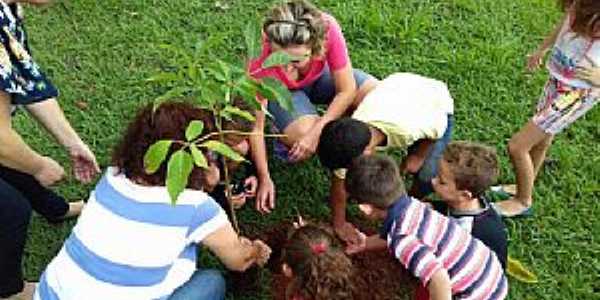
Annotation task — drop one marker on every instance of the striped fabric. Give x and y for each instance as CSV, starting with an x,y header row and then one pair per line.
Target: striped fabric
x,y
131,243
425,241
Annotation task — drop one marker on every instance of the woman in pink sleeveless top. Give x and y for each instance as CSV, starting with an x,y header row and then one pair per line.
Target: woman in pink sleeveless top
x,y
321,73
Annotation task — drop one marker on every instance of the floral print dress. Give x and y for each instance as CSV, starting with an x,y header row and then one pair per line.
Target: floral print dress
x,y
20,76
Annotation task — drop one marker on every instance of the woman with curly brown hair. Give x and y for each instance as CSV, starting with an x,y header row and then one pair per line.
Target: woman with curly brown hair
x,y
318,267
320,73
132,243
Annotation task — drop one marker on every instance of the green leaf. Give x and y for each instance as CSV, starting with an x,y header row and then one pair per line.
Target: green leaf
x,y
217,73
155,155
252,35
163,77
225,69
248,88
178,172
199,159
175,92
223,149
232,110
180,55
193,130
278,58
279,92
516,269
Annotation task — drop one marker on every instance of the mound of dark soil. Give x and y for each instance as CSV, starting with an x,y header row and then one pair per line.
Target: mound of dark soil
x,y
379,275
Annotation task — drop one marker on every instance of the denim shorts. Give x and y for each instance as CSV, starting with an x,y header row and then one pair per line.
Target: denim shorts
x,y
321,91
429,169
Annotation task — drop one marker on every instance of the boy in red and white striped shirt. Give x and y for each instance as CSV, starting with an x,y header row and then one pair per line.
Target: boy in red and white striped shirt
x,y
448,261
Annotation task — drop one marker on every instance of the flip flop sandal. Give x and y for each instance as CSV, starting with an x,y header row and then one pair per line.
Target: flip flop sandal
x,y
525,213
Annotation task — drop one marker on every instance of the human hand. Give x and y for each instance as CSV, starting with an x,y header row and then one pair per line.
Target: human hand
x,y
84,162
305,147
265,198
589,74
238,200
262,252
251,186
534,60
49,173
348,233
357,247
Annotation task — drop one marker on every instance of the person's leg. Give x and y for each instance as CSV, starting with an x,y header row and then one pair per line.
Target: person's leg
x,y
538,153
520,149
203,285
44,201
294,124
323,90
429,165
15,213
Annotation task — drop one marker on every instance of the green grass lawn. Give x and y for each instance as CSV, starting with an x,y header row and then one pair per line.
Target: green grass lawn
x,y
100,52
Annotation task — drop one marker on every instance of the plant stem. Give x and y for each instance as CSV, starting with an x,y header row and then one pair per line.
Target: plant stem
x,y
236,132
228,194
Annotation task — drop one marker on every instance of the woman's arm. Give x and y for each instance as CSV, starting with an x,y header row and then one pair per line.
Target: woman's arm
x,y
345,92
237,253
51,116
265,196
16,154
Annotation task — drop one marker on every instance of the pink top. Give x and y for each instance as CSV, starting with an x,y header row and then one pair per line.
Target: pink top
x,y
336,57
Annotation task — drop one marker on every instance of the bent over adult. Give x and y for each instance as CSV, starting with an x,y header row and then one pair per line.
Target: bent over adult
x,y
131,243
25,174
320,73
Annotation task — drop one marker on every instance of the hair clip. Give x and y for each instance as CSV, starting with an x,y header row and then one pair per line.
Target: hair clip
x,y
319,248
298,24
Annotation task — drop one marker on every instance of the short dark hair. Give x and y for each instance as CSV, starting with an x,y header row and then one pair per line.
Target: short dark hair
x,y
474,166
341,141
374,179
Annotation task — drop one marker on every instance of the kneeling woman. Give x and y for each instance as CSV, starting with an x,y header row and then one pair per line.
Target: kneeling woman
x,y
131,243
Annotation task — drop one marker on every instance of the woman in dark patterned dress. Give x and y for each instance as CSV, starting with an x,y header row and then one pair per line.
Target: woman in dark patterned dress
x,y
25,175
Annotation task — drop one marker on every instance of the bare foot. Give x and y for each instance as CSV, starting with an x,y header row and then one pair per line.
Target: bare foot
x,y
75,209
510,188
512,207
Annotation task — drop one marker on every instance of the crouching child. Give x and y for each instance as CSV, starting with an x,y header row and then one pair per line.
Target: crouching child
x,y
449,262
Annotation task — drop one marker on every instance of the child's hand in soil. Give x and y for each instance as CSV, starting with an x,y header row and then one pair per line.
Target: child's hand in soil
x,y
359,247
263,252
348,233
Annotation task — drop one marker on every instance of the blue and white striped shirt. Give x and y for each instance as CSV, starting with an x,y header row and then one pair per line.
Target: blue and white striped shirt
x,y
131,243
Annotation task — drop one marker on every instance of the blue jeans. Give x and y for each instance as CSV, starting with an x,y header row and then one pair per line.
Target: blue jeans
x,y
203,285
321,91
429,169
